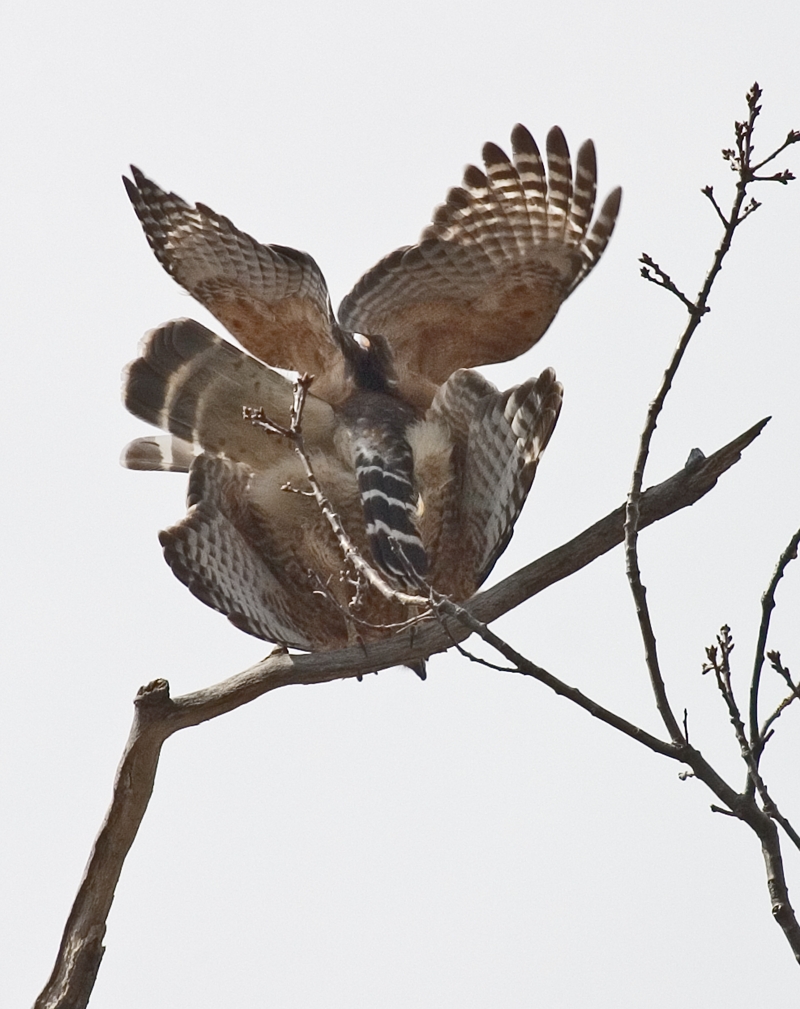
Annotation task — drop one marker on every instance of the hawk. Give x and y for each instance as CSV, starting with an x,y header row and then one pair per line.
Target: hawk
x,y
425,461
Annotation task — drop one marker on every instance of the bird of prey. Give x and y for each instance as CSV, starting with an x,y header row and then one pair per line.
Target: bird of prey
x,y
427,464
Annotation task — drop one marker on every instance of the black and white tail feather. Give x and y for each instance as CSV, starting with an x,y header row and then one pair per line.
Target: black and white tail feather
x,y
385,473
378,422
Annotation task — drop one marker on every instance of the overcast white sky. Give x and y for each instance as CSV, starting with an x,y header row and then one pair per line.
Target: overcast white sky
x,y
471,841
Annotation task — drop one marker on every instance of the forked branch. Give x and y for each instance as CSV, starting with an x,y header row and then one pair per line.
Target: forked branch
x,y
761,818
741,160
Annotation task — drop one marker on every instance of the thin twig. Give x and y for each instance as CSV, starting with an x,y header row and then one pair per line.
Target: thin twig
x,y
719,662
352,555
792,137
348,613
709,192
766,729
741,162
652,271
528,668
467,654
783,671
767,606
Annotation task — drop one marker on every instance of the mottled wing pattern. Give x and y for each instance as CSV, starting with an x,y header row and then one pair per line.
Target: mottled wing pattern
x,y
273,299
434,499
506,441
254,544
498,440
223,554
427,463
489,274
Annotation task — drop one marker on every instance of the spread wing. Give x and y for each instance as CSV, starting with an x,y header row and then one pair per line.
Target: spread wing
x,y
489,274
273,299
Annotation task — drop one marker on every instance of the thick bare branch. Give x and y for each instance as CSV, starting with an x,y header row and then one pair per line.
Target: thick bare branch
x,y
71,983
782,910
682,489
157,716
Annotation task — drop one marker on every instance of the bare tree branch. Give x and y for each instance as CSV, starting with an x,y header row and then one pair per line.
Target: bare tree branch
x,y
744,806
719,660
157,716
766,729
709,192
741,163
652,271
684,488
792,137
757,738
78,961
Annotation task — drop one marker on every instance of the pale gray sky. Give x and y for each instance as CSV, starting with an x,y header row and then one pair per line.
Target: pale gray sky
x,y
471,841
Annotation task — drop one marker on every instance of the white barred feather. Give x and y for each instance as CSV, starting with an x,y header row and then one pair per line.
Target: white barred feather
x,y
490,272
427,464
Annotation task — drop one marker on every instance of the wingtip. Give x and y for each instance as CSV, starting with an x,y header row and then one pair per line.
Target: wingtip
x,y
130,187
609,211
522,141
138,176
557,142
587,157
474,180
493,154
